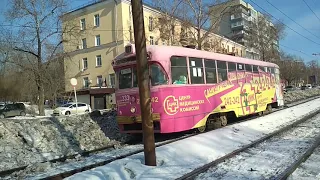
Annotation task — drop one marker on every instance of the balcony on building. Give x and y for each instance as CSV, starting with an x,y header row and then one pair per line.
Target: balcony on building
x,y
239,25
238,16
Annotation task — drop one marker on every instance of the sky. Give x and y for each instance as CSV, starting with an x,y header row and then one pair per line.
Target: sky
x,y
302,33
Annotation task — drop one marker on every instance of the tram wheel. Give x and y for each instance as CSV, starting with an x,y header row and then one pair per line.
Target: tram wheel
x,y
268,109
223,120
202,129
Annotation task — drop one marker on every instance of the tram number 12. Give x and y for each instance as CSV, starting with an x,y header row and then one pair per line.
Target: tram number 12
x,y
153,99
231,100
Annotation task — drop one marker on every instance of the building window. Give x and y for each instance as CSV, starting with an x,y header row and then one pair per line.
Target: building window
x,y
179,71
97,40
85,63
83,43
150,23
112,80
85,82
83,24
228,48
99,81
98,61
151,40
97,20
196,70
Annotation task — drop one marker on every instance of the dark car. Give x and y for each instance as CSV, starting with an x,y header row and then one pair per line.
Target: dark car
x,y
304,87
11,110
289,88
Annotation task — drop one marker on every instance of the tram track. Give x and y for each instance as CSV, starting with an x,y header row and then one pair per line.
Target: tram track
x,y
112,147
285,174
230,162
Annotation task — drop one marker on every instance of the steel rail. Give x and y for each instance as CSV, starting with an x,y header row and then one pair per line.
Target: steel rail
x,y
288,171
197,171
87,153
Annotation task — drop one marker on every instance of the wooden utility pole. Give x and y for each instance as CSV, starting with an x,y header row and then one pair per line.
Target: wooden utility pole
x,y
143,82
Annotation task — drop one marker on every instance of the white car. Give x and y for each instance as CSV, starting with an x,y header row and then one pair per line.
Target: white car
x,y
70,108
2,105
309,86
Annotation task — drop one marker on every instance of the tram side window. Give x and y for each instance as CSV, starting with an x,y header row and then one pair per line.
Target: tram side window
x,y
248,68
196,70
211,73
125,78
255,69
240,67
265,69
135,77
232,67
179,70
222,71
158,77
272,70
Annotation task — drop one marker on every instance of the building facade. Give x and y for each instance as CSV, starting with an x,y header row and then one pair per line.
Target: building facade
x,y
99,31
238,19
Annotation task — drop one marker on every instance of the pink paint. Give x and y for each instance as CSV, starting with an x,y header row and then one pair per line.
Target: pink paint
x,y
181,107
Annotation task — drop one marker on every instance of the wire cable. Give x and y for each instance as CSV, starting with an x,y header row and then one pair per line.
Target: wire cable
x,y
292,19
285,24
311,10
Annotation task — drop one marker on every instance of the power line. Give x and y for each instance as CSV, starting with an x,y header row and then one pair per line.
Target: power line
x,y
285,24
296,50
311,10
291,19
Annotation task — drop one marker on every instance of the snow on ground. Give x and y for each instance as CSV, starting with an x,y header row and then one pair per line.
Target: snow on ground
x,y
183,156
269,158
310,169
27,141
296,95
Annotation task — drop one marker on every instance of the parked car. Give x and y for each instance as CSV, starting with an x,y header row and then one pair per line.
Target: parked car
x,y
289,88
309,86
70,108
2,105
11,110
304,87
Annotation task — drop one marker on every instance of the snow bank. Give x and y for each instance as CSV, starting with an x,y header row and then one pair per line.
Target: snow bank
x,y
297,95
181,157
31,140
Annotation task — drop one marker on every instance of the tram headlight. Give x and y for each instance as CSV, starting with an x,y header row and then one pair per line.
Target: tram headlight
x,y
133,109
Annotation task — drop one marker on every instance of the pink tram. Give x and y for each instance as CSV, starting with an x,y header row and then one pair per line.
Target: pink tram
x,y
193,89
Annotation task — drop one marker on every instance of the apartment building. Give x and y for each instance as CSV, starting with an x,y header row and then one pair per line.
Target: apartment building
x,y
99,31
237,17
